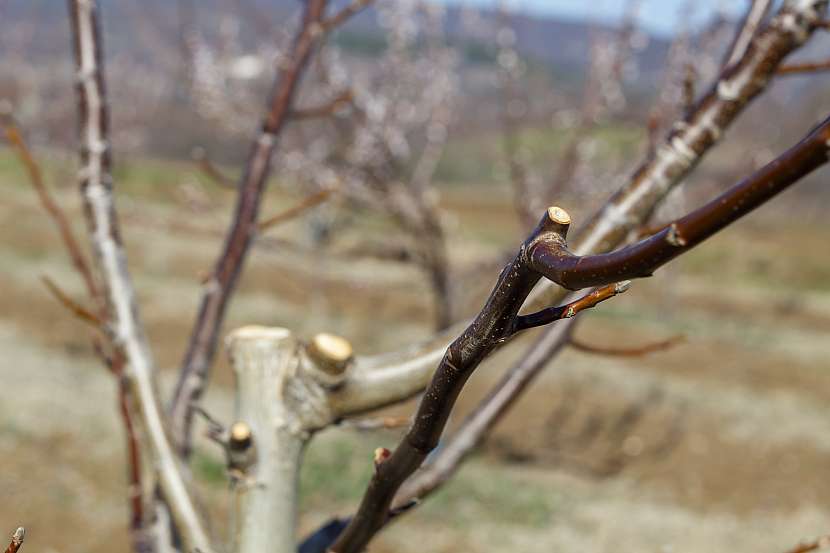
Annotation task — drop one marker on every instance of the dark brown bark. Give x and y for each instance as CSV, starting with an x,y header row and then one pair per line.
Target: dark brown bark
x,y
551,257
222,282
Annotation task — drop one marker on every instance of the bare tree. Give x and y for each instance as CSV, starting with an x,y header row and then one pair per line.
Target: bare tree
x,y
288,390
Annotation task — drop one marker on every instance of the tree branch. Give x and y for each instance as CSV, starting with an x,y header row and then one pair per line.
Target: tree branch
x,y
637,351
220,286
73,248
394,376
745,32
125,327
545,252
17,540
800,68
310,201
199,155
497,321
811,545
551,257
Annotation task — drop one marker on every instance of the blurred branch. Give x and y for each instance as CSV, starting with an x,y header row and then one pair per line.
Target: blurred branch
x,y
637,351
809,67
330,108
207,167
745,32
811,545
125,327
73,248
195,368
17,540
310,201
350,9
73,306
497,321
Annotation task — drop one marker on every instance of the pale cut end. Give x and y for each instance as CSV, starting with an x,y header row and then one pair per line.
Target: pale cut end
x,y
623,286
559,215
240,432
381,454
18,535
332,353
256,332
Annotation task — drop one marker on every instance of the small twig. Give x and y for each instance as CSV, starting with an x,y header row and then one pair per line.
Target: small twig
x,y
546,316
811,545
330,108
17,540
344,14
73,306
207,167
807,67
73,248
376,423
627,352
310,201
754,16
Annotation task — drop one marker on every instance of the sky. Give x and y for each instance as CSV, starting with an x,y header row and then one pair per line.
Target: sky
x,y
657,16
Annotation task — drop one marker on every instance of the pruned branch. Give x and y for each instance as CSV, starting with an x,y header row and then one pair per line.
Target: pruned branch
x,y
552,258
691,138
16,540
124,327
225,274
497,321
545,253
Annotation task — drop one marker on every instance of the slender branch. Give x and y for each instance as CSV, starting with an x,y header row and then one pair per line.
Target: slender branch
x,y
800,68
71,305
310,201
207,167
811,545
17,540
339,102
220,286
552,258
114,362
73,248
349,10
637,351
755,14
570,309
125,327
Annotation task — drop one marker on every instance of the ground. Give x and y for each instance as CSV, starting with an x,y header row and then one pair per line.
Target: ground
x,y
720,443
